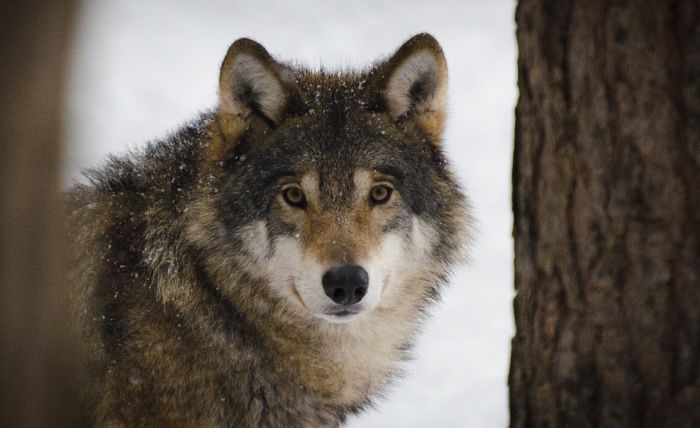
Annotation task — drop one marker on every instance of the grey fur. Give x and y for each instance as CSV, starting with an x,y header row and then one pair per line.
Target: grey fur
x,y
182,329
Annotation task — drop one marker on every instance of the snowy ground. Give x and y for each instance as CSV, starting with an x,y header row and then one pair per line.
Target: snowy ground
x,y
141,68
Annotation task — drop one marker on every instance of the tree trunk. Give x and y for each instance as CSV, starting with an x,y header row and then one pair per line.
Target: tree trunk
x,y
38,384
606,199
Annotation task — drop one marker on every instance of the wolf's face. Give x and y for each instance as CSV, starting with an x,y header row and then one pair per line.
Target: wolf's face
x,y
340,218
335,240
334,186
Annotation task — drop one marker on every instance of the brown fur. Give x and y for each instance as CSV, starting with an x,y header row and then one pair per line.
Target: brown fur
x,y
184,326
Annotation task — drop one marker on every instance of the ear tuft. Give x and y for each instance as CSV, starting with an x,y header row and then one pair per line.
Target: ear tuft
x,y
412,84
249,84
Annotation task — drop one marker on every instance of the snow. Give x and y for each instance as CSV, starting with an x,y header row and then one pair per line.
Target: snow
x,y
142,68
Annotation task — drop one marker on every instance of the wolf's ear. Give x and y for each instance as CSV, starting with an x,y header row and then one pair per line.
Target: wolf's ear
x,y
412,84
250,84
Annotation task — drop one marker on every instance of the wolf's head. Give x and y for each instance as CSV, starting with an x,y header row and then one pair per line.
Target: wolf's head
x,y
332,187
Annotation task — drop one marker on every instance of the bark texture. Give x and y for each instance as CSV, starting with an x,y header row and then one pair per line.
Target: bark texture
x,y
37,374
606,200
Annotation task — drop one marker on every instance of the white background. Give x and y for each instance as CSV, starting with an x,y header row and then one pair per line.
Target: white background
x,y
141,68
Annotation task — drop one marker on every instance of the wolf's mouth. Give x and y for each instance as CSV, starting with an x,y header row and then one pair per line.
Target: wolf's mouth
x,y
343,313
296,293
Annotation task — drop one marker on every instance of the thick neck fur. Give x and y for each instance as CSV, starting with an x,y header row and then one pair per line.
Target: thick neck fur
x,y
169,297
347,363
344,363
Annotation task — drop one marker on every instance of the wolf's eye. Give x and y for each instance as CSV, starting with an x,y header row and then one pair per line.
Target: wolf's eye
x,y
294,196
380,194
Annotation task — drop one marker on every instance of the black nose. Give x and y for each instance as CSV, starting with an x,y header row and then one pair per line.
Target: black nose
x,y
345,285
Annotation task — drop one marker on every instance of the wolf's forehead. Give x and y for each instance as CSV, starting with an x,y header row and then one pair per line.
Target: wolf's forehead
x,y
331,88
336,187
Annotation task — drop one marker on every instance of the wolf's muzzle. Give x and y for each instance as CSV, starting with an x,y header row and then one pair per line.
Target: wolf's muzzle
x,y
345,285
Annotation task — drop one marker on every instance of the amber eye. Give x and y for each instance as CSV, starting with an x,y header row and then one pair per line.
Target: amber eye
x,y
380,194
294,196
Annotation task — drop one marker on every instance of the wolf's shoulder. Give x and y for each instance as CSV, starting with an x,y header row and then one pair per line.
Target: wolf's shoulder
x,y
157,169
139,189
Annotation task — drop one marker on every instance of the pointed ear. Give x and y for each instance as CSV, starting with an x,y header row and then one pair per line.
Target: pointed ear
x,y
412,84
250,84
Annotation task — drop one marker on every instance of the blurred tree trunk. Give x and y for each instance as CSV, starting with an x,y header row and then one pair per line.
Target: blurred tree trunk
x,y
606,199
37,374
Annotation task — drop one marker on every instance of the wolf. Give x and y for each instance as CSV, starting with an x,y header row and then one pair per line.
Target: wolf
x,y
269,263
